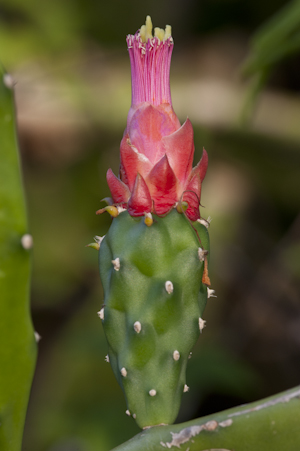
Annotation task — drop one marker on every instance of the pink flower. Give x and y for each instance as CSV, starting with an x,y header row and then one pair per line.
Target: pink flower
x,y
156,151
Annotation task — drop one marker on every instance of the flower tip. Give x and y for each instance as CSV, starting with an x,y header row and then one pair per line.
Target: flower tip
x,y
160,33
146,30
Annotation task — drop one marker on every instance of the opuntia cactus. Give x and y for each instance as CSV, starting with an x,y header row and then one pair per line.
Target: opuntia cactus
x,y
153,261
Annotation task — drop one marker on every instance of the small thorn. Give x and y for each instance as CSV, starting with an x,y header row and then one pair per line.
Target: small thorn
x,y
123,372
116,264
27,241
186,388
98,240
137,327
205,222
37,337
190,355
106,358
111,209
148,219
95,246
134,415
128,412
210,293
152,392
101,313
169,287
202,254
202,324
205,277
181,207
108,200
176,355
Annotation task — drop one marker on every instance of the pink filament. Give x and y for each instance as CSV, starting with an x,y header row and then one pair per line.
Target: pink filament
x,y
150,69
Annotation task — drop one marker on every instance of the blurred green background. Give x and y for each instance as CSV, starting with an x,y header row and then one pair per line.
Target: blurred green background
x,y
72,73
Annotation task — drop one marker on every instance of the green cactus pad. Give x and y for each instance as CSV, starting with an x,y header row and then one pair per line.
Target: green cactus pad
x,y
154,298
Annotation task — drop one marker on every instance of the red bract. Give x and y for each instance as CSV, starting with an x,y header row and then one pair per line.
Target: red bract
x,y
156,152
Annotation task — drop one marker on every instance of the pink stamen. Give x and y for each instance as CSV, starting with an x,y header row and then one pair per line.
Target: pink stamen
x,y
150,69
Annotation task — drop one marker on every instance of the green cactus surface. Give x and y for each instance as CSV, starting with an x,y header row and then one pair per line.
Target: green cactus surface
x,y
153,304
271,424
17,342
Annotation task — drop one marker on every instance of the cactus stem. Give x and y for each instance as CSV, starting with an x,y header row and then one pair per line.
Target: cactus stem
x,y
37,337
202,253
205,222
128,412
152,392
202,324
169,287
123,372
27,241
186,388
101,313
148,219
116,264
210,293
106,358
176,355
137,327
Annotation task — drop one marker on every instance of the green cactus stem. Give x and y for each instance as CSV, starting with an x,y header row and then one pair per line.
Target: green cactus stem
x,y
271,424
153,305
17,339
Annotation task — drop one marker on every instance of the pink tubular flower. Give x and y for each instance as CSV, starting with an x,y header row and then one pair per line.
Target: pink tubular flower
x,y
156,151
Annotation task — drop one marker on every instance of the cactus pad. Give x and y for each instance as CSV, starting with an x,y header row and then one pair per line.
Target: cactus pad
x,y
154,300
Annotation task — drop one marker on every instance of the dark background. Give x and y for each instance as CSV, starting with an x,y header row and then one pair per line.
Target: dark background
x,y
72,73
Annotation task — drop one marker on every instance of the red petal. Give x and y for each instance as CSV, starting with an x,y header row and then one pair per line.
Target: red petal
x,y
132,162
192,195
201,167
119,191
147,127
140,201
162,183
179,147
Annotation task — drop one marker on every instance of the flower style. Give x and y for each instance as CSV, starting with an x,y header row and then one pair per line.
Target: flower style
x,y
156,152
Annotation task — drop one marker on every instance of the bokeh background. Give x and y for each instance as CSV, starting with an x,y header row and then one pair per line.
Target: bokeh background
x,y
72,73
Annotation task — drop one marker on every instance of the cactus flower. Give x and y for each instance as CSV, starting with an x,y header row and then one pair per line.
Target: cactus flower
x,y
156,152
154,269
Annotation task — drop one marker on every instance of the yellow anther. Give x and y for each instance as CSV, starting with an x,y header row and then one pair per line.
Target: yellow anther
x,y
168,32
143,33
149,27
148,219
159,33
182,207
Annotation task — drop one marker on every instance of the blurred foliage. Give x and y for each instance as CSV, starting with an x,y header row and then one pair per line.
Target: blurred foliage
x,y
277,39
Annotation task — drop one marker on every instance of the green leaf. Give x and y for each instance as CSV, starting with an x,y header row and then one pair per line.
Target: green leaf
x,y
17,342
